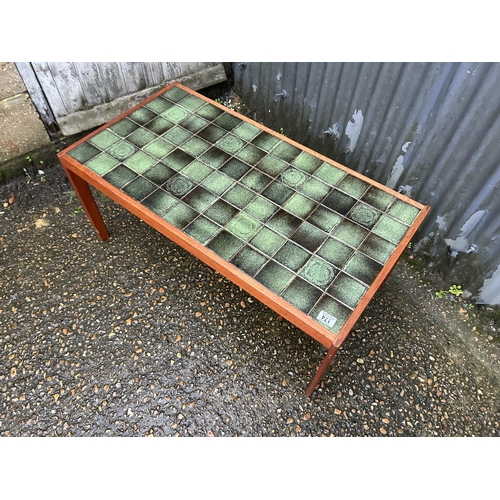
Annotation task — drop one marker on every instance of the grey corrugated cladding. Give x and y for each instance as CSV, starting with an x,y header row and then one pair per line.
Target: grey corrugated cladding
x,y
432,129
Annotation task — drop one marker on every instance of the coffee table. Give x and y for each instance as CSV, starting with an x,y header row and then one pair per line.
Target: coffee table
x,y
305,235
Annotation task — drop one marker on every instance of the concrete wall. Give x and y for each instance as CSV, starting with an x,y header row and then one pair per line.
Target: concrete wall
x,y
21,130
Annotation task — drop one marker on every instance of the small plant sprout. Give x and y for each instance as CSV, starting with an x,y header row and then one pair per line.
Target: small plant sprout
x,y
456,290
28,176
441,293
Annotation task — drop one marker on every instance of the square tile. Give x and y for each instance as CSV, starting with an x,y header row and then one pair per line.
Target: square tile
x,y
199,198
274,277
102,164
178,159
159,202
158,148
139,188
202,230
324,219
179,185
194,123
339,202
378,198
221,212
211,133
353,186
214,157
227,121
121,150
243,226
315,189
195,146
272,166
84,152
230,143
238,196
293,177
225,244
364,215
159,105
142,115
277,192
261,209
196,171
284,222
175,94
209,112
390,229
159,173
175,114
267,241
285,151
301,295
330,314
249,260
403,212
246,131
347,290
265,141
176,135
235,168
309,236
307,162
140,137
335,251
350,233
292,256
329,174
120,176
363,268
217,182
299,205
180,215
192,103
318,272
250,154
139,162
124,127
103,140
159,125
256,180
377,248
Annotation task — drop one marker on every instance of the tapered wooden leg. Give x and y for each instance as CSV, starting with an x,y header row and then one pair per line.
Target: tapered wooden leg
x,y
82,189
322,369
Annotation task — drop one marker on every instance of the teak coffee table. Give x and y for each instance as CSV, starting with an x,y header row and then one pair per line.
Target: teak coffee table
x,y
305,235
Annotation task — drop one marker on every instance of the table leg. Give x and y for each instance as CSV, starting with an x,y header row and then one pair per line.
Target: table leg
x,y
82,189
322,369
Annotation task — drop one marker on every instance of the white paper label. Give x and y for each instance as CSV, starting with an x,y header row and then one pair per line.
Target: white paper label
x,y
326,318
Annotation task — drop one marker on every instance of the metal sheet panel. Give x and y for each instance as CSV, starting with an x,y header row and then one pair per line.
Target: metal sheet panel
x,y
430,129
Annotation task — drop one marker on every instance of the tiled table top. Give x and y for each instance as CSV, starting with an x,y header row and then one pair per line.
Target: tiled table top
x,y
312,232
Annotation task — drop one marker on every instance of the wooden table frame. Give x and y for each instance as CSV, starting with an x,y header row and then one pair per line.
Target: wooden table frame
x,y
81,177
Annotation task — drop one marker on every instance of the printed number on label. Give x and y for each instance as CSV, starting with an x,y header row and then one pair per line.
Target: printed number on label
x,y
326,318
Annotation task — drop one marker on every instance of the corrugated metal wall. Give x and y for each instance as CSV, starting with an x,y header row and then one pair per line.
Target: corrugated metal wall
x,y
432,129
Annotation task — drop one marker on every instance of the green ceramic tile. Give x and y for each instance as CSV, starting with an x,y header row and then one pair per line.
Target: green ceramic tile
x,y
277,192
364,214
250,154
139,162
176,135
159,125
84,152
199,198
139,188
293,177
142,115
159,173
246,131
353,186
309,236
102,164
265,141
284,222
403,212
390,229
256,180
225,244
121,150
329,174
202,230
214,157
179,185
158,148
104,139
159,105
178,159
301,295
180,215
377,248
261,209
272,165
267,241
335,251
347,290
378,198
124,127
299,205
175,94
249,260
141,137
192,103
209,111
195,146
238,196
339,202
274,277
230,143
285,151
324,218
211,133
330,314
194,123
159,201
243,226
315,189
217,182
292,256
120,176
350,233
221,212
227,121
318,272
175,114
235,168
196,171
307,162
363,268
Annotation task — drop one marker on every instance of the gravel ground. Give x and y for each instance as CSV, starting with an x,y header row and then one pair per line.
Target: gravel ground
x,y
135,337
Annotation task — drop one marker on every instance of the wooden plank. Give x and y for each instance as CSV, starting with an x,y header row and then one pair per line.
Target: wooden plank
x,y
91,83
68,84
50,88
